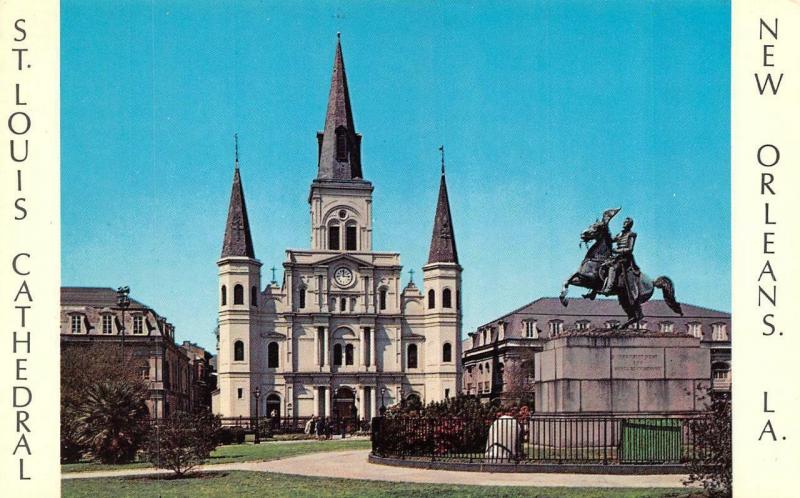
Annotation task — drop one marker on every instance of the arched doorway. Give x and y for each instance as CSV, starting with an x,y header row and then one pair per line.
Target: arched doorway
x,y
273,406
344,405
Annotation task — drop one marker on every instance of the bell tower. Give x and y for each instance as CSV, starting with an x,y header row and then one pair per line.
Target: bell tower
x,y
442,303
239,296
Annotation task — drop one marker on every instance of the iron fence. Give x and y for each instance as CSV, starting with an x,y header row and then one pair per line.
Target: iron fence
x,y
297,425
638,439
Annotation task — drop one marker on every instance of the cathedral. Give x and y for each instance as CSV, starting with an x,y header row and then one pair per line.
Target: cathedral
x,y
339,336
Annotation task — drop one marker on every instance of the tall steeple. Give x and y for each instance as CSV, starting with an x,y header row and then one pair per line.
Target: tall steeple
x,y
339,144
238,241
443,241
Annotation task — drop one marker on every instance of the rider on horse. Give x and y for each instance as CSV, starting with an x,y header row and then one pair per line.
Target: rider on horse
x,y
621,257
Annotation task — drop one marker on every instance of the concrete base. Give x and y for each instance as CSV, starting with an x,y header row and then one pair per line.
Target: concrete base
x,y
606,372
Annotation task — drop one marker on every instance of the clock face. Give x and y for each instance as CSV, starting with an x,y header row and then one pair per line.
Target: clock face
x,y
343,276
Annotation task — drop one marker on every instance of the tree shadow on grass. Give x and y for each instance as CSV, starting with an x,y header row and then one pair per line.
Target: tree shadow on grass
x,y
214,474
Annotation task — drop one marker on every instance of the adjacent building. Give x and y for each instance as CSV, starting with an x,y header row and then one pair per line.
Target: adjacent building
x,y
498,359
340,335
91,315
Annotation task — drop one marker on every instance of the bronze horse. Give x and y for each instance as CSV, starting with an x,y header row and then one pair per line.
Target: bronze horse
x,y
632,288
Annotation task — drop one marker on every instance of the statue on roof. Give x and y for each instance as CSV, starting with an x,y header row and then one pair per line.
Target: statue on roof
x,y
610,269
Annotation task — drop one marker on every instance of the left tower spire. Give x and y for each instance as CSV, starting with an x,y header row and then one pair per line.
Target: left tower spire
x,y
237,242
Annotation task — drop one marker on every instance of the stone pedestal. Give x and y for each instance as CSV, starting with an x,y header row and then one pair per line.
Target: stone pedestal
x,y
604,371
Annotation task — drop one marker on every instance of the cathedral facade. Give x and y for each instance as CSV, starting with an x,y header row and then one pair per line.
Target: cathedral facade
x,y
340,336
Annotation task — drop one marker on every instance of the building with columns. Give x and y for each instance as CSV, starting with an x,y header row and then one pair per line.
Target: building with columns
x,y
340,335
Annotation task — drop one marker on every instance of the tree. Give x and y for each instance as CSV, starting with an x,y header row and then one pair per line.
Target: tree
x,y
518,378
712,466
112,420
183,441
102,403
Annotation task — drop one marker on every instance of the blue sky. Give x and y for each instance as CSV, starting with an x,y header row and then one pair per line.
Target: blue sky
x,y
550,113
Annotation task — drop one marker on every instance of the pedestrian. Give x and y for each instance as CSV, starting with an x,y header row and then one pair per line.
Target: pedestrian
x,y
320,428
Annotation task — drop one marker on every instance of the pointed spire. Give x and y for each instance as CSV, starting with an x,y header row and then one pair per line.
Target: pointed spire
x,y
339,144
443,240
238,241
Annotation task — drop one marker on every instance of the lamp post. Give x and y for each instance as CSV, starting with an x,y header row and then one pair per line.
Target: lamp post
x,y
383,405
257,394
123,301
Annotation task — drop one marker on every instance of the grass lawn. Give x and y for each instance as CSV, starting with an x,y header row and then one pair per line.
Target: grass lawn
x,y
246,484
243,453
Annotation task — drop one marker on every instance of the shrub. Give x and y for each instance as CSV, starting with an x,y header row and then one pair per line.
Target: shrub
x,y
224,436
183,441
712,466
265,429
237,434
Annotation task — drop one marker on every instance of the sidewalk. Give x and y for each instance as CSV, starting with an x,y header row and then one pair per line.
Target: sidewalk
x,y
353,465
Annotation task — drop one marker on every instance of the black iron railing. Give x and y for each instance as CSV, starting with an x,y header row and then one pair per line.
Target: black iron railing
x,y
639,439
297,425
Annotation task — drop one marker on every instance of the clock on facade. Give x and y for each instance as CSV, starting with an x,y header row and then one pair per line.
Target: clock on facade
x,y
343,276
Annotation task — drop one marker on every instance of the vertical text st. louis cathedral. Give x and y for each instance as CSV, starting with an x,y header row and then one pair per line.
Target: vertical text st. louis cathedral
x,y
339,333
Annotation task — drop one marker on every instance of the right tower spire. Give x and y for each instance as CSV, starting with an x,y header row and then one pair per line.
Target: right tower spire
x,y
443,241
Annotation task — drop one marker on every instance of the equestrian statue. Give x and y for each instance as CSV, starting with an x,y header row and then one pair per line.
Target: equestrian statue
x,y
611,270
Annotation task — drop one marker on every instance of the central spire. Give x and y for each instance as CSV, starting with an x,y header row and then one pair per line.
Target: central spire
x,y
339,144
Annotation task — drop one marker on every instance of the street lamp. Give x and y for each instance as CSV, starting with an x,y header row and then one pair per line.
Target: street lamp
x,y
257,394
123,301
383,405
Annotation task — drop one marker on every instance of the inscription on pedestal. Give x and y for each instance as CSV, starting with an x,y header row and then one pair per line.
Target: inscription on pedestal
x,y
637,363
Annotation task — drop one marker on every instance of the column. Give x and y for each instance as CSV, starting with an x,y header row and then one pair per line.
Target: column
x,y
373,411
362,391
316,347
328,348
362,347
316,401
328,401
372,351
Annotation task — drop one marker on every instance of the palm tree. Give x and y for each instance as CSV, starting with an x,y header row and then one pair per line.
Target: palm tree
x,y
112,419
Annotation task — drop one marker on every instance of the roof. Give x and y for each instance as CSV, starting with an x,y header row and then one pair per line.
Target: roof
x,y
237,241
655,309
96,297
443,239
335,162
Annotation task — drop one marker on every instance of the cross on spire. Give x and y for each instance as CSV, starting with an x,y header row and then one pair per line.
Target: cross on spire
x,y
273,275
411,278
236,149
441,149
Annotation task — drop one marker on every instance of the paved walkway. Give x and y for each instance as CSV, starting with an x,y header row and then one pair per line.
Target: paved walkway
x,y
352,464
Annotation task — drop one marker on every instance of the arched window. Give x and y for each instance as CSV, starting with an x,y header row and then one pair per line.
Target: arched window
x,y
351,237
238,294
343,303
333,237
337,355
431,299
238,351
224,295
272,355
382,299
302,297
412,356
446,299
253,296
348,354
447,353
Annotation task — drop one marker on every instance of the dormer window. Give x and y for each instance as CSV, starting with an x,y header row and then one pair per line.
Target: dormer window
x,y
75,324
341,144
107,319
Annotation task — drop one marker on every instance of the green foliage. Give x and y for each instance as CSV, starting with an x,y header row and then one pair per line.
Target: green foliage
x,y
183,441
713,465
83,369
457,425
112,420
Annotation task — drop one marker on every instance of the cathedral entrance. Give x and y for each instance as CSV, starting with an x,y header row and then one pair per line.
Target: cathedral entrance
x,y
344,403
273,406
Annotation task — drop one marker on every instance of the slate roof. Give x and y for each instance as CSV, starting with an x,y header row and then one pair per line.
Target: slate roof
x,y
598,311
238,241
443,239
94,297
339,116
